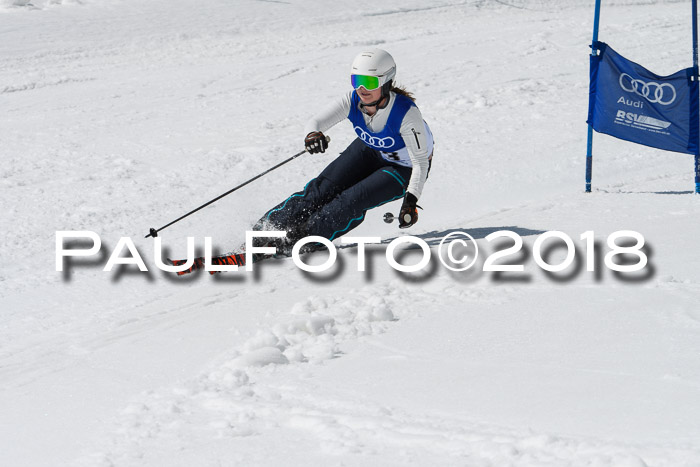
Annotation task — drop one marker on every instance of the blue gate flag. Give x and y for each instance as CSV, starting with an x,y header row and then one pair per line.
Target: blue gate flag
x,y
630,102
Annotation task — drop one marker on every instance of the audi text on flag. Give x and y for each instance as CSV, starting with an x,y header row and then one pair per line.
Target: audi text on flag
x,y
629,102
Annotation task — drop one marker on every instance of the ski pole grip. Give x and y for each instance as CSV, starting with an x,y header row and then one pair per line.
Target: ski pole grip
x,y
327,138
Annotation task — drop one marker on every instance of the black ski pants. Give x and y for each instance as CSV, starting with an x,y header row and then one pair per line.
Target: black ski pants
x,y
336,201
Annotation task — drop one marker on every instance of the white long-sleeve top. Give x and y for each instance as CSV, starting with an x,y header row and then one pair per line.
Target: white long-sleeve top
x,y
414,131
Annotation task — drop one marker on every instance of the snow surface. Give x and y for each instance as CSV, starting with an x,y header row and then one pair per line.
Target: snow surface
x,y
121,115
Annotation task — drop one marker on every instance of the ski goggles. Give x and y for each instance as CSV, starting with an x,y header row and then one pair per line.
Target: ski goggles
x,y
370,83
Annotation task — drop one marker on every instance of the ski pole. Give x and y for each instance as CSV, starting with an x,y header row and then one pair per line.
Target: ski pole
x,y
154,232
389,217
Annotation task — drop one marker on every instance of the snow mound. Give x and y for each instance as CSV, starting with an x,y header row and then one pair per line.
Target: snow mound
x,y
323,325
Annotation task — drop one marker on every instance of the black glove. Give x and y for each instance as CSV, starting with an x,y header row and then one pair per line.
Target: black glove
x,y
409,212
315,142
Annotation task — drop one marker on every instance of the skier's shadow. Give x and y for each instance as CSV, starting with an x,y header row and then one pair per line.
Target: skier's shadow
x,y
435,237
375,253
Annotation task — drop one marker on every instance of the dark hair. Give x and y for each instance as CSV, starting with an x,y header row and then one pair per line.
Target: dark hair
x,y
401,90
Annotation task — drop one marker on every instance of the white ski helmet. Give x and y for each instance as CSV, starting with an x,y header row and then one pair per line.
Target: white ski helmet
x,y
375,63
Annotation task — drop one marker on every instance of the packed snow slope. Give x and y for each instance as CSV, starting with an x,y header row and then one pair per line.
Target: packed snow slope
x,y
121,115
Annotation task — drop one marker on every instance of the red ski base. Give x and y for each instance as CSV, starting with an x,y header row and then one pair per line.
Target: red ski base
x,y
234,259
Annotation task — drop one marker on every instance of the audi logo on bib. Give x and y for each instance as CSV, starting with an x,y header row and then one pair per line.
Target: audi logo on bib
x,y
374,141
651,91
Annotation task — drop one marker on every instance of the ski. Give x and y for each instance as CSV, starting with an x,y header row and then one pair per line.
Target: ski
x,y
230,259
233,259
239,259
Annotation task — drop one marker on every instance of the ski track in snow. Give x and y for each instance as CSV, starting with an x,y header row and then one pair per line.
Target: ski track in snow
x,y
314,331
252,389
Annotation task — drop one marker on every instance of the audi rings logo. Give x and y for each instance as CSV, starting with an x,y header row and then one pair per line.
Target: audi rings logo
x,y
374,141
656,93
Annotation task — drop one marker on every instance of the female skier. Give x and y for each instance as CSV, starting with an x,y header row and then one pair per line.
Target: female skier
x,y
390,158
